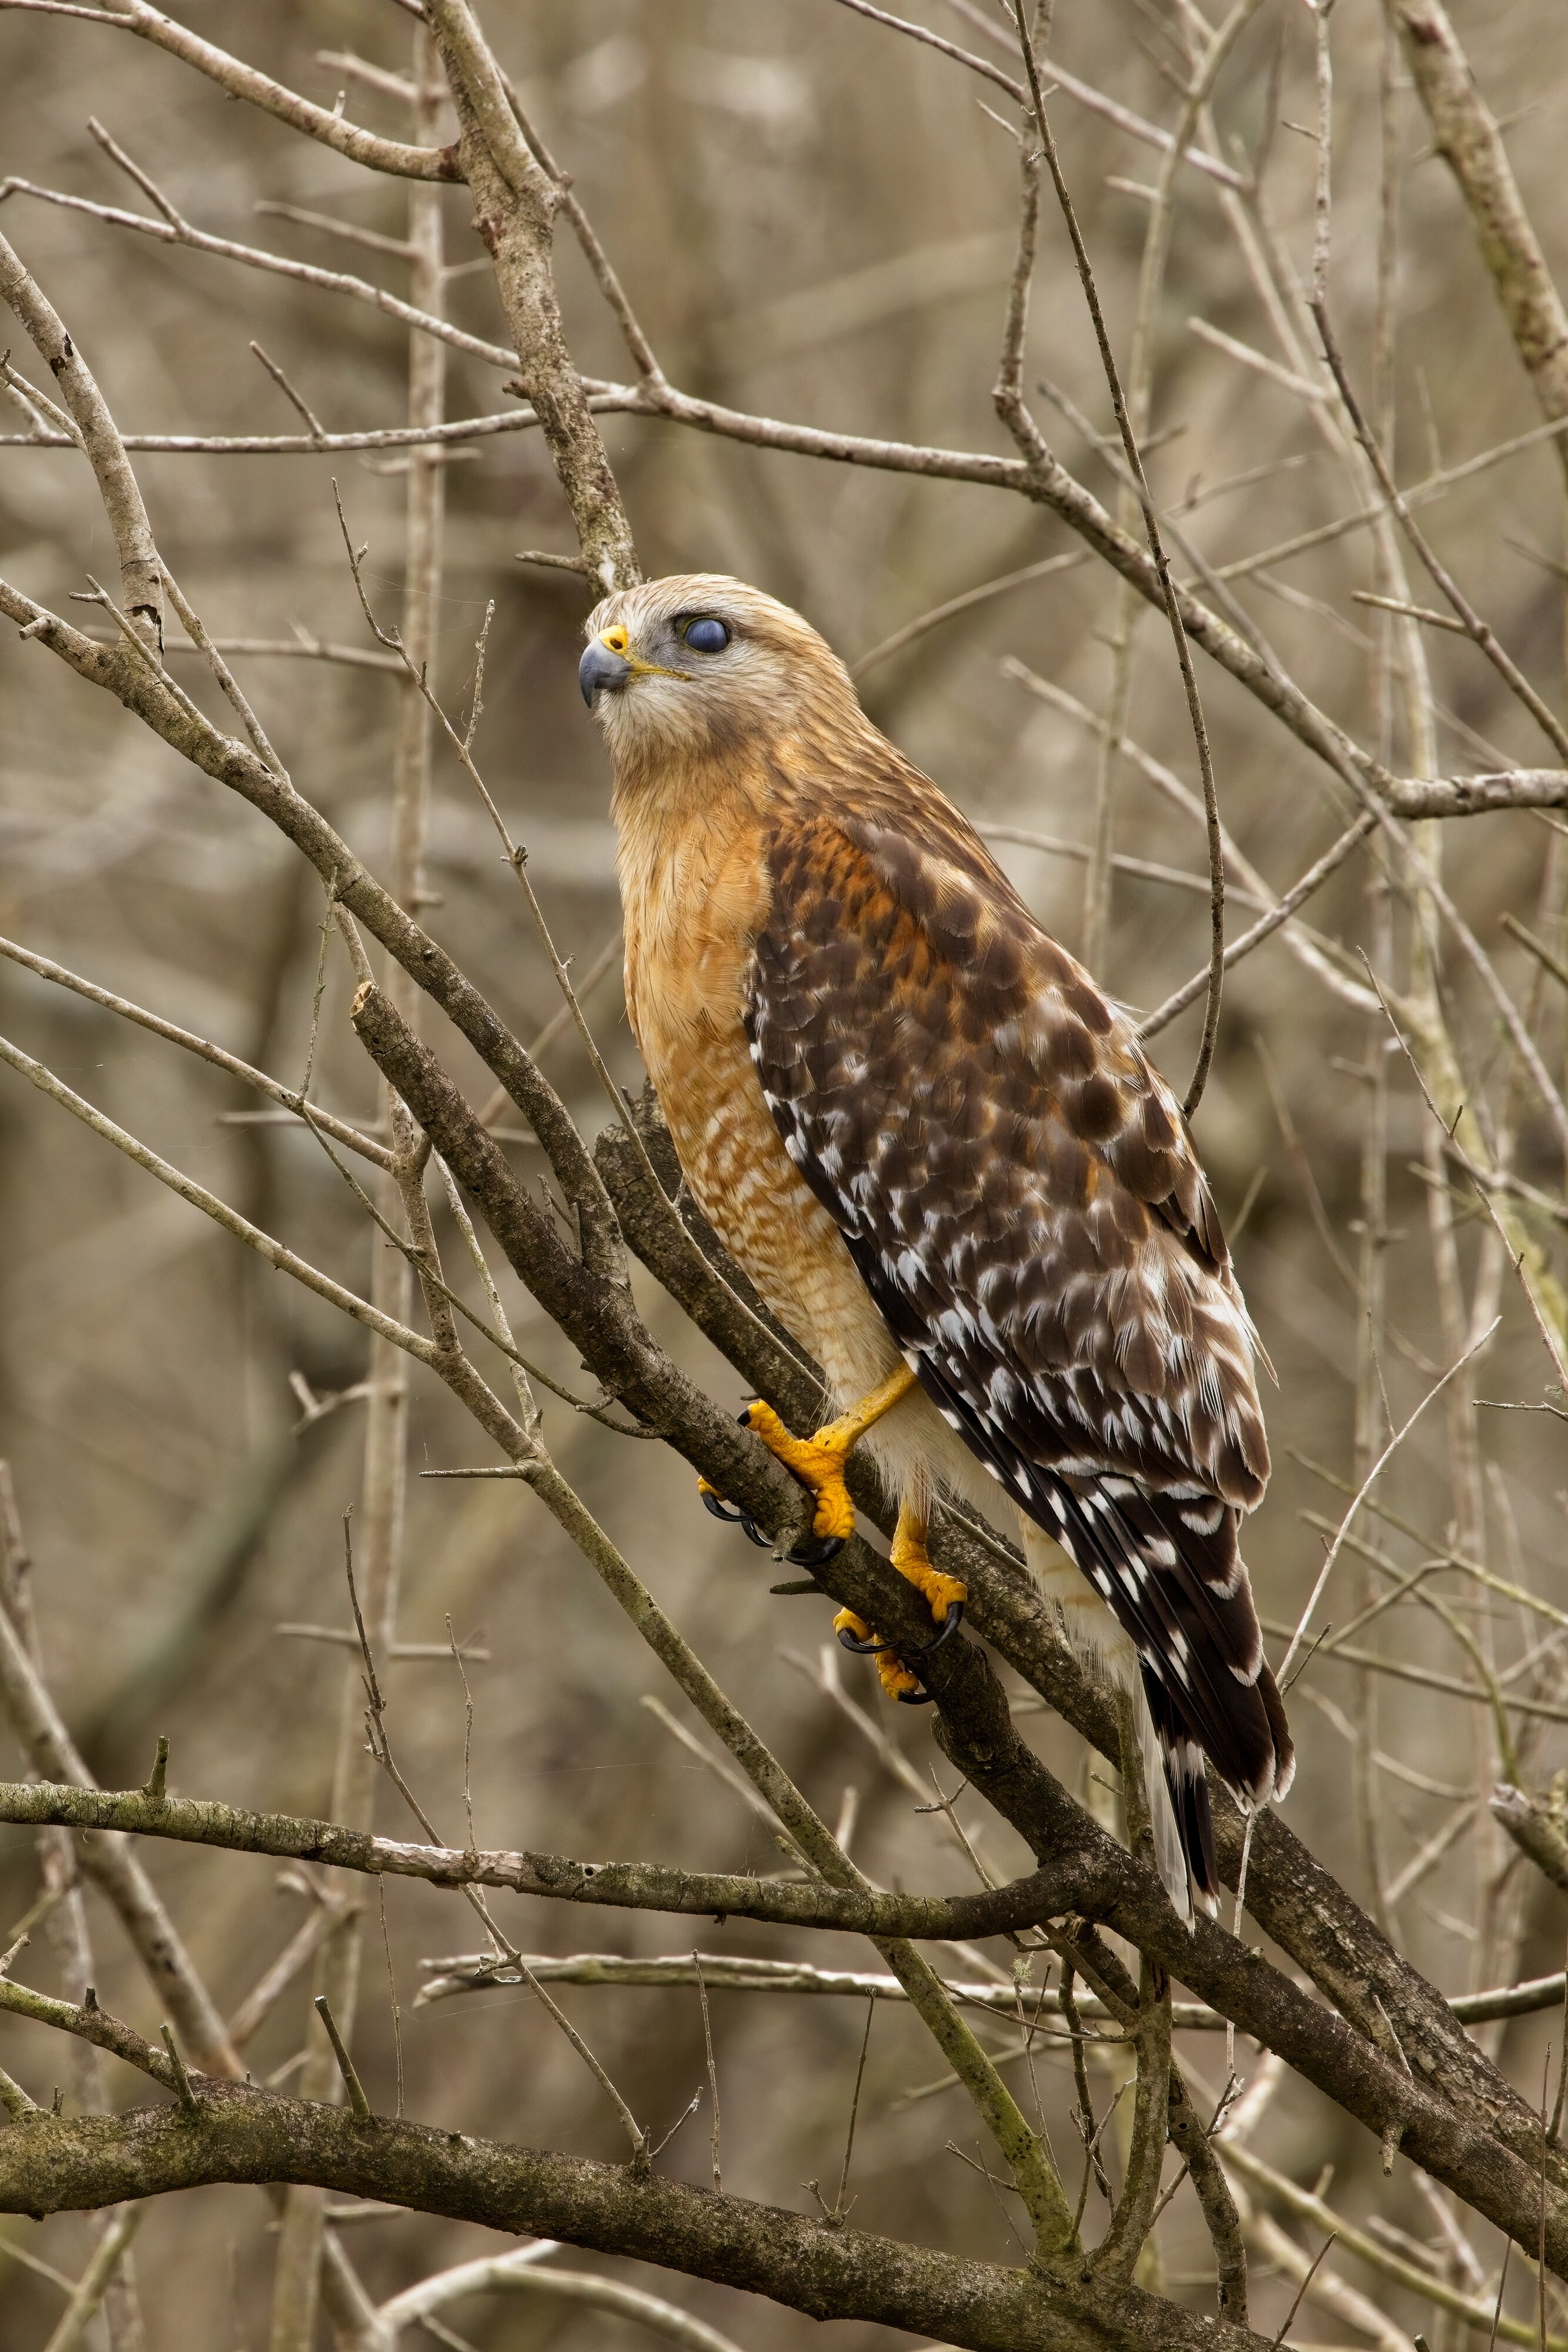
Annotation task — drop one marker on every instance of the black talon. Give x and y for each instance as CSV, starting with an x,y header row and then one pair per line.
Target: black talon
x,y
815,1553
720,1510
872,1649
875,1648
950,1625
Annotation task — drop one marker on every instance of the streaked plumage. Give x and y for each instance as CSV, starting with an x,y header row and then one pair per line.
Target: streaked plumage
x,y
925,1132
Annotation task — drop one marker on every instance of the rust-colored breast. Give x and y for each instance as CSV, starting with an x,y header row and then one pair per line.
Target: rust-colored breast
x,y
694,899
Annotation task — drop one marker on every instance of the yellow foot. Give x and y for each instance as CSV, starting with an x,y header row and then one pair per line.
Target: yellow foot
x,y
896,1680
895,1677
945,1593
819,1465
913,1560
817,1462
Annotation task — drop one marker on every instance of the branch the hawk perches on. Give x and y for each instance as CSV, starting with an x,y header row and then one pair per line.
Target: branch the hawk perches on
x,y
943,1158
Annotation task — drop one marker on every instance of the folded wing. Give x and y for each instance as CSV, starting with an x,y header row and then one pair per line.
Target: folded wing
x,y
1018,1189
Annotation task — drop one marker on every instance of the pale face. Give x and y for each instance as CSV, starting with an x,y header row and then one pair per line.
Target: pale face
x,y
695,662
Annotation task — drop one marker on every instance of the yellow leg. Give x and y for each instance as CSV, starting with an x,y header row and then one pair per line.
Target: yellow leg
x,y
945,1594
819,1462
913,1560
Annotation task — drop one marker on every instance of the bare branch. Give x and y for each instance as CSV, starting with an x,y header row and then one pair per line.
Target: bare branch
x,y
305,445
620,1885
1308,2208
56,2162
913,630
724,1972
514,204
177,230
1297,896
522,2272
140,572
241,80
1471,142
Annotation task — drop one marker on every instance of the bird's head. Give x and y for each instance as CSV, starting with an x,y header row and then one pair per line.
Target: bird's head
x,y
698,664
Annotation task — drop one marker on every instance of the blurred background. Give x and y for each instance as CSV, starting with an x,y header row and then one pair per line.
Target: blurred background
x,y
815,219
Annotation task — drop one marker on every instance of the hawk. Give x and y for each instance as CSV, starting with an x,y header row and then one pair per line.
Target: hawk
x,y
940,1153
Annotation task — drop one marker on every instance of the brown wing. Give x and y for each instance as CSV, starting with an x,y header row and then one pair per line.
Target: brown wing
x,y
1018,1192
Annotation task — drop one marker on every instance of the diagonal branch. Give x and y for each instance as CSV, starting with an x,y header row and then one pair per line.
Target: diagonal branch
x,y
1291,1893
1471,142
177,230
46,969
241,769
140,572
241,80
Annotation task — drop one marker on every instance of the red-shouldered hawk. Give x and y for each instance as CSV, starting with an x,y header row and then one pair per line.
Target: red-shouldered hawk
x,y
942,1157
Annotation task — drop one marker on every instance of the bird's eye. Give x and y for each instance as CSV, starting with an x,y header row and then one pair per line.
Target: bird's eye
x,y
705,637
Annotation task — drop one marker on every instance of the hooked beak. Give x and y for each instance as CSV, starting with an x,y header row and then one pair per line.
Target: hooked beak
x,y
601,666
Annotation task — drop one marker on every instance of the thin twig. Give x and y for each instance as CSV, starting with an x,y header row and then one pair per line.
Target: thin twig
x,y
46,969
714,2126
840,2213
1297,896
1371,1476
1162,567
1481,632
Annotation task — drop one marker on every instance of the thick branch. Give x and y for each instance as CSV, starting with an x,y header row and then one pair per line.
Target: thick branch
x,y
1535,1825
54,2164
1089,1873
598,1315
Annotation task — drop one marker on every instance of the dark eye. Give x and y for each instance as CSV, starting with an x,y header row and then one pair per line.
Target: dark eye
x,y
706,636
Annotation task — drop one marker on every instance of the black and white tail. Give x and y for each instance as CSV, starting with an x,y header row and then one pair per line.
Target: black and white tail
x,y
1153,1587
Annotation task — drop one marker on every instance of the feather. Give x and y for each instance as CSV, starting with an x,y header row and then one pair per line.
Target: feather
x,y
1019,1193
